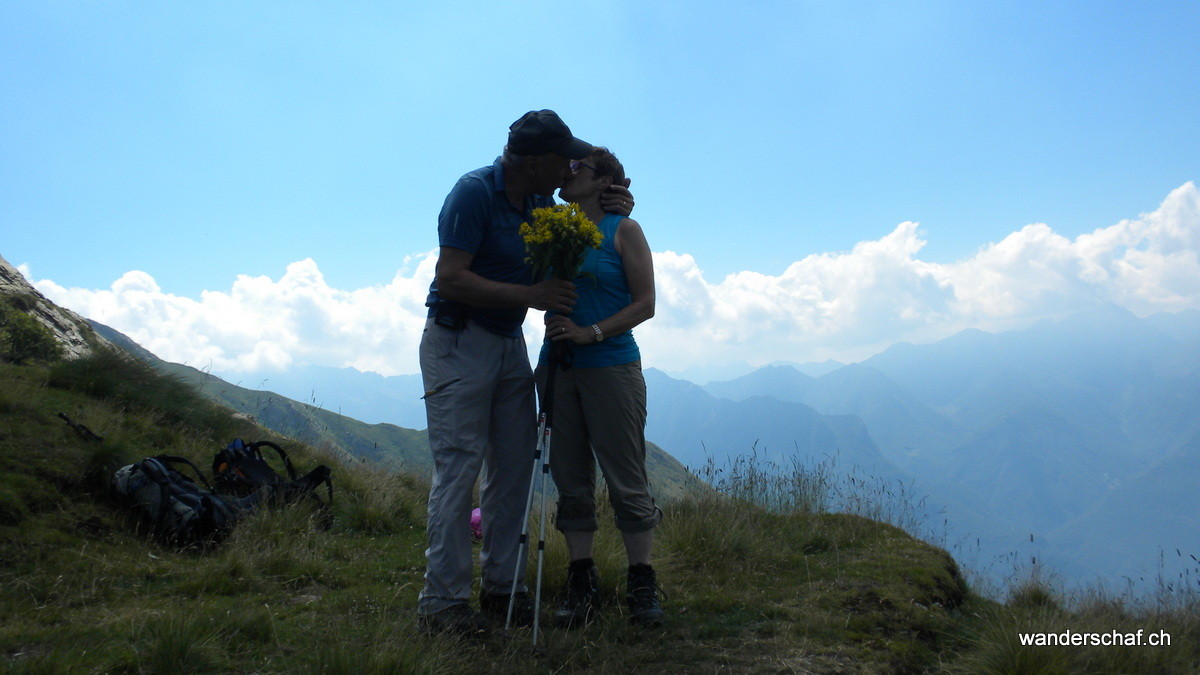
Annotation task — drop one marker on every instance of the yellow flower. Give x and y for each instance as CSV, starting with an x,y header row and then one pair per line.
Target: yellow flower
x,y
558,240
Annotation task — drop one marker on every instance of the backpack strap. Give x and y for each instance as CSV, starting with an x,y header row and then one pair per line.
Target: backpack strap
x,y
307,484
287,463
157,471
168,460
321,474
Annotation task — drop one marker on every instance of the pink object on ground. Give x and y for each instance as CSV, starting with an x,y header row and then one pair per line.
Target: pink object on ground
x,y
476,525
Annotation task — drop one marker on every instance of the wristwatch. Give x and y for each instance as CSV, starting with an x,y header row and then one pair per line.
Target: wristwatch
x,y
599,333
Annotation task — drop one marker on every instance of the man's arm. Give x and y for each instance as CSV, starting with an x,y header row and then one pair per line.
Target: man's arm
x,y
457,283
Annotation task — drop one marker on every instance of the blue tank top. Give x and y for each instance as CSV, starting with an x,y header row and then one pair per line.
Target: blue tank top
x,y
603,291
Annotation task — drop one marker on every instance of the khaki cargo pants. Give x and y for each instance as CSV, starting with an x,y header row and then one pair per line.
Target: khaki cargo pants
x,y
482,416
600,418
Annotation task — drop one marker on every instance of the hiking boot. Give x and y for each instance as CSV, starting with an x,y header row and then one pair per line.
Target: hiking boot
x,y
642,597
495,606
581,601
457,619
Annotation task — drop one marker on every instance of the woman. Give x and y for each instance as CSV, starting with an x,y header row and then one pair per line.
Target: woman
x,y
600,401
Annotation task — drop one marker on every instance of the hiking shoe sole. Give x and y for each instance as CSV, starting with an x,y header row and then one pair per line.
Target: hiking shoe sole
x,y
456,620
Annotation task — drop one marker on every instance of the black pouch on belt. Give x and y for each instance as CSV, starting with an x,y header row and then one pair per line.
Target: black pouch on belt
x,y
450,315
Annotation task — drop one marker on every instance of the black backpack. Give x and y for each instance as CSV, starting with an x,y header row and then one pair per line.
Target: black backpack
x,y
177,510
242,470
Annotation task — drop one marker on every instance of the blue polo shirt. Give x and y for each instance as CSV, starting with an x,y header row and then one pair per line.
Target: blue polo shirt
x,y
477,218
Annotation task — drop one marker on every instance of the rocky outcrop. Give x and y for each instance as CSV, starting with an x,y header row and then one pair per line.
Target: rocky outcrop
x,y
71,330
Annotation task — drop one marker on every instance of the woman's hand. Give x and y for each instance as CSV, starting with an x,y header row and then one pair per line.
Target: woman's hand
x,y
559,328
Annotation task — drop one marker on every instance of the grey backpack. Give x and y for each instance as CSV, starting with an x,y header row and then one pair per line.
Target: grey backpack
x,y
174,507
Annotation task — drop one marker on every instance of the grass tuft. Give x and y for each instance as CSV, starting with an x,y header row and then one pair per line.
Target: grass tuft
x,y
1033,595
178,644
378,502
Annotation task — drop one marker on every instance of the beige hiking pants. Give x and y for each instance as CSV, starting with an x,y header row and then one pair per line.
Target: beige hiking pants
x,y
600,417
482,416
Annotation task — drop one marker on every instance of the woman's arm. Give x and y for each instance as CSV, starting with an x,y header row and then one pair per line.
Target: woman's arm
x,y
631,245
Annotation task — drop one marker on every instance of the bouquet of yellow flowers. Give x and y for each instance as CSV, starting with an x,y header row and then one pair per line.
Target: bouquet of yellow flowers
x,y
558,239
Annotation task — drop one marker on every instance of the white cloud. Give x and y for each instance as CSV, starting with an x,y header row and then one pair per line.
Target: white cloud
x,y
264,325
845,305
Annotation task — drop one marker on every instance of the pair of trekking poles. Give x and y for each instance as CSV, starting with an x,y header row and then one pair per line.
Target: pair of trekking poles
x,y
560,356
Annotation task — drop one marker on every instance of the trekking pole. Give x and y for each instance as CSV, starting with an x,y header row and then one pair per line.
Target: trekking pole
x,y
559,354
537,595
524,540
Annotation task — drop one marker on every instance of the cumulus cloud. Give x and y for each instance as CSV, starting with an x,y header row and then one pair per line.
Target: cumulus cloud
x,y
851,305
263,325
846,305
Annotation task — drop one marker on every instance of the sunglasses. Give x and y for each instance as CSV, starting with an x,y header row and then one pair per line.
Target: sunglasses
x,y
576,165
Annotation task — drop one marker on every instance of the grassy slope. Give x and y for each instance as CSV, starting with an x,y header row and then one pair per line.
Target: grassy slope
x,y
385,445
747,589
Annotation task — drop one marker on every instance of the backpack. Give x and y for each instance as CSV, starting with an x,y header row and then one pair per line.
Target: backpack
x,y
178,510
242,470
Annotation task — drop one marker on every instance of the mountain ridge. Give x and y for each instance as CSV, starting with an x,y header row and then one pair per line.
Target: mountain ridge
x,y
1034,428
391,446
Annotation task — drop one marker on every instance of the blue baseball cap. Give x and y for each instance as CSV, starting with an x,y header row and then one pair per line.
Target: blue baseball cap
x,y
541,131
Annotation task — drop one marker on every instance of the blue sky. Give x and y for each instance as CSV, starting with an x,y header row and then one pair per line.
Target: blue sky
x,y
196,142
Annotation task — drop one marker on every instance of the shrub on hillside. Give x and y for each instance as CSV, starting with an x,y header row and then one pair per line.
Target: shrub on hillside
x,y
23,338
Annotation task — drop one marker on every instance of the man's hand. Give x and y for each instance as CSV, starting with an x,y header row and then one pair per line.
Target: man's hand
x,y
618,199
553,294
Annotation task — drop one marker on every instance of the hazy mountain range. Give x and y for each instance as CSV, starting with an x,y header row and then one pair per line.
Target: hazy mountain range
x,y
1075,442
1082,433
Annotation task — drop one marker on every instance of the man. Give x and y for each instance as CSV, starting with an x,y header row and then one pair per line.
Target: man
x,y
479,392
